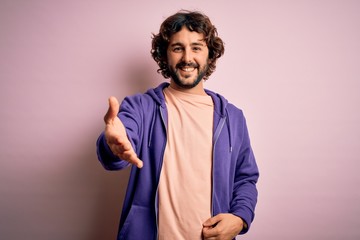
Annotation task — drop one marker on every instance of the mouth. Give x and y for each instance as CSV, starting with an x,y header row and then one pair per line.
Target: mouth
x,y
187,69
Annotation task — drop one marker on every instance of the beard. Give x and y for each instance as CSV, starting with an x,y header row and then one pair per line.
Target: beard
x,y
175,76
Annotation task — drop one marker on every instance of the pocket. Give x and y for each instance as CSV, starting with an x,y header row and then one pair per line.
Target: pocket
x,y
139,224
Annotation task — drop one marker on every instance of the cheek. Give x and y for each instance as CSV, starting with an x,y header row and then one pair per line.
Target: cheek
x,y
204,59
172,61
169,58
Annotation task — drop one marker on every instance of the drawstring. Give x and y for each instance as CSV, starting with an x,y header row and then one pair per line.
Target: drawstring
x,y
228,127
152,126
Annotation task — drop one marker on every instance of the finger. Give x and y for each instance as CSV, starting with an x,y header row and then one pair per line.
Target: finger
x,y
119,148
212,221
209,233
128,155
132,158
113,109
138,163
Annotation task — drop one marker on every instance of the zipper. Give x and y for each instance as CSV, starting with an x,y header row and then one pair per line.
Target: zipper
x,y
216,137
157,187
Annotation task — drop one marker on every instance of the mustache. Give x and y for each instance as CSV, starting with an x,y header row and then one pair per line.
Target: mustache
x,y
184,64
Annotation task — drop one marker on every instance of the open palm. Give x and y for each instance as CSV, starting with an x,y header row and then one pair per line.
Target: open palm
x,y
116,137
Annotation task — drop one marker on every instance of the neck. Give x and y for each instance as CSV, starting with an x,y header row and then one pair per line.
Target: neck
x,y
198,89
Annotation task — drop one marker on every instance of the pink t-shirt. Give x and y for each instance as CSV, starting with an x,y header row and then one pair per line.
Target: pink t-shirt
x,y
185,180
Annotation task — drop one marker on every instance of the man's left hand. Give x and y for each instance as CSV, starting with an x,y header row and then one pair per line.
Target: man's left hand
x,y
224,226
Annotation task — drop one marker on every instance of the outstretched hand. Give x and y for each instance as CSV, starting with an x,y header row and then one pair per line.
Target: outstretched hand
x,y
116,137
224,226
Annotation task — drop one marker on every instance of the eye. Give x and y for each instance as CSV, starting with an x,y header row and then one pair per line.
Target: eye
x,y
177,49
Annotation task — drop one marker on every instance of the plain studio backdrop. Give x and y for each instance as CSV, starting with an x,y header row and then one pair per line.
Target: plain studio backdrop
x,y
292,66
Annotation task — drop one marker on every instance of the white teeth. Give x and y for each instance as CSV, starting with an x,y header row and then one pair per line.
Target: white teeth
x,y
188,69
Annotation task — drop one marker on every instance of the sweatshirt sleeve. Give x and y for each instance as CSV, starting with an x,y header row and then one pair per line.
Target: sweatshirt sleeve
x,y
106,157
246,176
129,115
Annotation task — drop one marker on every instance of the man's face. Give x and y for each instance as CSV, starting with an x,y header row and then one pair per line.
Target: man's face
x,y
187,56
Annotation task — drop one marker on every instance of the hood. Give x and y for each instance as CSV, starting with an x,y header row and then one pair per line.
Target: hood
x,y
157,93
220,107
220,102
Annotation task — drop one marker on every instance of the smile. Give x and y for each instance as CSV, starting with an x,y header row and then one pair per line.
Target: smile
x,y
187,69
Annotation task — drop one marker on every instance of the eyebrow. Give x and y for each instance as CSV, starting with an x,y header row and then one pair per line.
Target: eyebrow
x,y
200,43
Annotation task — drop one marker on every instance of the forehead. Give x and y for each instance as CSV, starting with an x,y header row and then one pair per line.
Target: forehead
x,y
185,36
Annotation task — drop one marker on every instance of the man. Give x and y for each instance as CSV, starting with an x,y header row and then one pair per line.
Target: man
x,y
194,173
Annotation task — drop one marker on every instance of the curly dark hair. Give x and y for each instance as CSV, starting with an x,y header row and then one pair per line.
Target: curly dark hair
x,y
194,21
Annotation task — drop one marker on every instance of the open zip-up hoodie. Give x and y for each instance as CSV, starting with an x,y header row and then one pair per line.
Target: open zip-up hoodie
x,y
234,175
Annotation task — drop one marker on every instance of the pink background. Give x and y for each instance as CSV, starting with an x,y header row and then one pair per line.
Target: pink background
x,y
292,66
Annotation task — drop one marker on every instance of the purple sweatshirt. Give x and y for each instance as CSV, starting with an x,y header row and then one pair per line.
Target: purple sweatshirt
x,y
234,176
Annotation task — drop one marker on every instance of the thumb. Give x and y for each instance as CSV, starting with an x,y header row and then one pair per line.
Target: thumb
x,y
211,222
113,110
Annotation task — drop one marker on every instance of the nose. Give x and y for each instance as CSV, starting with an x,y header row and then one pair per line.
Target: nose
x,y
187,57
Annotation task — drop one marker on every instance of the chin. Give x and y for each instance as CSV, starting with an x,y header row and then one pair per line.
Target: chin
x,y
187,83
